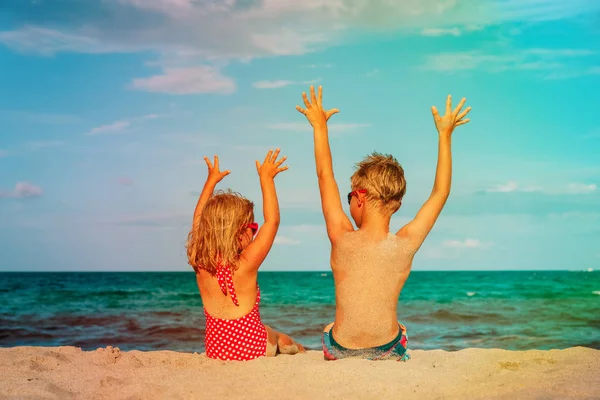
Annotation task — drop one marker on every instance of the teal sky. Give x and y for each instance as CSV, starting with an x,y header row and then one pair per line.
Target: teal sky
x,y
107,108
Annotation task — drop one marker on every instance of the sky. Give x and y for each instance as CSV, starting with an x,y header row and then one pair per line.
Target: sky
x,y
107,108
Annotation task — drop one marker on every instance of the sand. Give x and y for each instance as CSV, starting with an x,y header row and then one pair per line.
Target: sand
x,y
108,373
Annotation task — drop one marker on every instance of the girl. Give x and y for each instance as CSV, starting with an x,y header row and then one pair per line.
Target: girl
x,y
226,259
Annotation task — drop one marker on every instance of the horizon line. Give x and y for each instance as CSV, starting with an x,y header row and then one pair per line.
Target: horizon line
x,y
321,271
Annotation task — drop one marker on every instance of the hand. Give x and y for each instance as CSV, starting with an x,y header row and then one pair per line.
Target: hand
x,y
446,124
214,175
270,167
314,109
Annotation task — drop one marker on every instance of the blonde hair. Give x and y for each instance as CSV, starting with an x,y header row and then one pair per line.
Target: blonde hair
x,y
215,240
383,178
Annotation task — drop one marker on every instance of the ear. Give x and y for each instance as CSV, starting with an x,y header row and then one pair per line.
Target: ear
x,y
361,197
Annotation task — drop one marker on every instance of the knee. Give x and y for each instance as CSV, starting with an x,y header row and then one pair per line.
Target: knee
x,y
271,335
271,349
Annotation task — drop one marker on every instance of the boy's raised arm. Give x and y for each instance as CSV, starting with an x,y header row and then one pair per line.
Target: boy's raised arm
x,y
336,219
214,177
418,229
258,250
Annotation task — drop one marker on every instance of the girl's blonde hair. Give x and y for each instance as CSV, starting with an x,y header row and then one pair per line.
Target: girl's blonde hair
x,y
215,240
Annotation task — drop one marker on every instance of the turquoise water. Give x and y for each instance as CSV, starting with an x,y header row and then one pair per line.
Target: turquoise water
x,y
442,310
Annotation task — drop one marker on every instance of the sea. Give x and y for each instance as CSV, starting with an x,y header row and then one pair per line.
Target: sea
x,y
510,310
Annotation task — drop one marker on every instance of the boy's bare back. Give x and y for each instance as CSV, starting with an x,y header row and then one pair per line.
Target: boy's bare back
x,y
369,275
370,265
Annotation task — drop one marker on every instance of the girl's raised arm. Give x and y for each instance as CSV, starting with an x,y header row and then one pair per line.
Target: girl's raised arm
x,y
257,251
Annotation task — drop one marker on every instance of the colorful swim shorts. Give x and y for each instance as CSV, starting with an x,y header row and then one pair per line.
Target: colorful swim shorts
x,y
394,350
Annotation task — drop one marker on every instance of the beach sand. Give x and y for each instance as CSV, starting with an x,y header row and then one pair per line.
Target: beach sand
x,y
108,373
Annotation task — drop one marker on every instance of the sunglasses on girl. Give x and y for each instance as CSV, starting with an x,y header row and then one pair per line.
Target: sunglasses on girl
x,y
253,226
355,193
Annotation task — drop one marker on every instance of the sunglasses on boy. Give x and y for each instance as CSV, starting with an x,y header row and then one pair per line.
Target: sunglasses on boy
x,y
355,193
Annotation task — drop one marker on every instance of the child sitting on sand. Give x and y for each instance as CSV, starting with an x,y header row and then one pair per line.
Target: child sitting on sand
x,y
226,259
370,265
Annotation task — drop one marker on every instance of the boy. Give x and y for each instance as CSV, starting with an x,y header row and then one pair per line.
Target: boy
x,y
370,265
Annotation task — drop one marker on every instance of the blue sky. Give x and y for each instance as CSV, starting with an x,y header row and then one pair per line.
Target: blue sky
x,y
108,107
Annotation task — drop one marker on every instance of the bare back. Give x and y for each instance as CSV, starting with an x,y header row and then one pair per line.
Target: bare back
x,y
220,305
369,276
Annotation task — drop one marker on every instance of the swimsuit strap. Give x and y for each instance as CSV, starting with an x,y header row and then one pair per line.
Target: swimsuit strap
x,y
226,283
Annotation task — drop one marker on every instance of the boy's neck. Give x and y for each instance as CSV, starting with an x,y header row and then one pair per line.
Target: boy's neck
x,y
375,224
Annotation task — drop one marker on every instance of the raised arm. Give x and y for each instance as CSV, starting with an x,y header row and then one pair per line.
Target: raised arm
x,y
214,177
418,229
336,219
257,250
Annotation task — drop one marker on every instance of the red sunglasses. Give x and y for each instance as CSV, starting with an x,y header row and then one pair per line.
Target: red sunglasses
x,y
355,193
253,226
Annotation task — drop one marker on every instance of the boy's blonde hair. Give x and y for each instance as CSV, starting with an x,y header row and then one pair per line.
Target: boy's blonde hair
x,y
383,178
215,240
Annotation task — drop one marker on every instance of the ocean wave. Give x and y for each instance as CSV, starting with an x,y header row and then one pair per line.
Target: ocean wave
x,y
454,316
163,311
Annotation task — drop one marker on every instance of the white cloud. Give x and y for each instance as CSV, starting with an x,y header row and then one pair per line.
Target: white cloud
x,y
122,125
454,249
510,186
474,27
22,190
47,42
581,188
437,253
441,32
115,127
570,188
282,83
546,63
560,52
271,84
174,7
463,244
556,75
187,35
249,29
454,31
202,79
457,61
315,66
286,241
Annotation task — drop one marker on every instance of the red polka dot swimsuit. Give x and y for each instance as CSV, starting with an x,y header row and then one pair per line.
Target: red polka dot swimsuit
x,y
239,339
